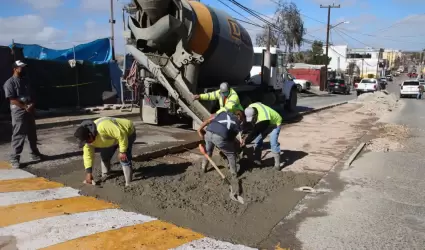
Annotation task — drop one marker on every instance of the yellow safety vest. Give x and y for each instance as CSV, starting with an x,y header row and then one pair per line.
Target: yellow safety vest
x,y
266,113
110,132
232,101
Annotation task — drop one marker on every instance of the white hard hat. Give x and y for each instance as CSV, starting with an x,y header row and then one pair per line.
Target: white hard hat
x,y
224,87
249,114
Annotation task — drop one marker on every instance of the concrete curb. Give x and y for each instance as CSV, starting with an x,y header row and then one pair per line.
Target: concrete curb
x,y
354,155
165,151
78,121
323,108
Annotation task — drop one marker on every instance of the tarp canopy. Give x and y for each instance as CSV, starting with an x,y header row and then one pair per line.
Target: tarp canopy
x,y
97,52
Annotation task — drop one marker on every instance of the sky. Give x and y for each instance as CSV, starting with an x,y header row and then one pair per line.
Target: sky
x,y
390,24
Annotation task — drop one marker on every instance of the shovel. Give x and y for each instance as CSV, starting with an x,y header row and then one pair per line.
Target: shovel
x,y
233,195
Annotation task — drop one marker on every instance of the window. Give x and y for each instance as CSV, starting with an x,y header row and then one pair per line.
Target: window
x,y
368,81
337,80
411,83
258,59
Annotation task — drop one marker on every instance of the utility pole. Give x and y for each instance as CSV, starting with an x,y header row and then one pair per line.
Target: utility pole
x,y
329,7
362,66
267,63
112,22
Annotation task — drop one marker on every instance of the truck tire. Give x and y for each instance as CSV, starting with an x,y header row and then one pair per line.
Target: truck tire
x,y
291,104
269,99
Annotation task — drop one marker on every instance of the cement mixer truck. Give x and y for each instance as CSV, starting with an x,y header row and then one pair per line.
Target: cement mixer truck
x,y
181,48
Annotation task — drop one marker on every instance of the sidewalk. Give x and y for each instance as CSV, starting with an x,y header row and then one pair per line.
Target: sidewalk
x,y
41,214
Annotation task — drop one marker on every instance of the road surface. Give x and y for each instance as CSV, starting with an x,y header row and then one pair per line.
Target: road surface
x,y
376,203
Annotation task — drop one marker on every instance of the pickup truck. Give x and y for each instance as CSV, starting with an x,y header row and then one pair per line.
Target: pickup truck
x,y
366,85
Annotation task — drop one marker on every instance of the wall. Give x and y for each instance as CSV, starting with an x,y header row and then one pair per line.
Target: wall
x,y
335,52
312,75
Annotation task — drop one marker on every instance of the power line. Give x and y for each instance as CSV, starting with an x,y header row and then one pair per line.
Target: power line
x,y
397,23
354,38
280,5
233,10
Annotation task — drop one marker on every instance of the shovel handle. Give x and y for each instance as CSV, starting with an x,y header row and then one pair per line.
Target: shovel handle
x,y
202,149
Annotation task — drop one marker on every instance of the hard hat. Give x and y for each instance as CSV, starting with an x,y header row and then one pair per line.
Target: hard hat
x,y
224,87
249,114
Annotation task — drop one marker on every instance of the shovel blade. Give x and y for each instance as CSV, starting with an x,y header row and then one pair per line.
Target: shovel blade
x,y
235,197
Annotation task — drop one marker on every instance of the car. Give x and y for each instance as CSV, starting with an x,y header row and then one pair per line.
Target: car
x,y
409,88
339,86
302,85
421,81
389,78
366,85
412,75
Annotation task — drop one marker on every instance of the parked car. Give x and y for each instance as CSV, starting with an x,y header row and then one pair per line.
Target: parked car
x,y
389,78
339,86
409,88
302,85
412,75
421,81
366,85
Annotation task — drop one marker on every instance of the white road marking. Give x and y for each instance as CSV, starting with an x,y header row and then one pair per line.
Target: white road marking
x,y
41,233
208,243
9,174
13,198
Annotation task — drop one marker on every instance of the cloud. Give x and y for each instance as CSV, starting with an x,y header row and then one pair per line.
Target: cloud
x,y
95,5
43,4
27,29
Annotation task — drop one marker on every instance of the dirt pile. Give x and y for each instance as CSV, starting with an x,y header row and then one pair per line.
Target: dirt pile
x,y
389,139
377,102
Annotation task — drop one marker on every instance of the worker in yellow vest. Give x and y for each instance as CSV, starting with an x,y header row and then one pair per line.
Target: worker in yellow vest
x,y
266,121
226,96
107,134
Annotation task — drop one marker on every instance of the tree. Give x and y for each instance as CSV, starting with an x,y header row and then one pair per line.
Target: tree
x,y
287,28
352,69
397,62
316,54
261,39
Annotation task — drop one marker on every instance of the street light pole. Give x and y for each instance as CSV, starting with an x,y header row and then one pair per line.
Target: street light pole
x,y
329,7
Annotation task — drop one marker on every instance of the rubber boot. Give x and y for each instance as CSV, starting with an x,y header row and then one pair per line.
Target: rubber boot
x,y
204,165
128,174
276,157
257,156
106,168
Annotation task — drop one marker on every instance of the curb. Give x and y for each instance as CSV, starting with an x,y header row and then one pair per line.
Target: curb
x,y
78,121
354,155
168,150
322,108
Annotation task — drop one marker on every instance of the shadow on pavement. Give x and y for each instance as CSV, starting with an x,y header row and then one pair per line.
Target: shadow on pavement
x,y
160,170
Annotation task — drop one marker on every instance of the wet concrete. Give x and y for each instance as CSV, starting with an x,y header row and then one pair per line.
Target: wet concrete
x,y
174,189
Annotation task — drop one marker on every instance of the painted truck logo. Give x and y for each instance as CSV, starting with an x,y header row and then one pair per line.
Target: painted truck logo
x,y
235,31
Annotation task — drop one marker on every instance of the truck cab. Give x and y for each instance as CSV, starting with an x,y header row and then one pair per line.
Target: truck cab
x,y
281,81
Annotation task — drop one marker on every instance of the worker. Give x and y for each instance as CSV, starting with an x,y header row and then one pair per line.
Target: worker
x,y
265,121
107,134
221,130
18,90
226,96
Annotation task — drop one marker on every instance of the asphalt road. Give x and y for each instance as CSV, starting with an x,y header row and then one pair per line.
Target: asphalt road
x,y
323,100
377,202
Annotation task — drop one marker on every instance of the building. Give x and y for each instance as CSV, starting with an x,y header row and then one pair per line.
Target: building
x,y
390,56
338,55
366,59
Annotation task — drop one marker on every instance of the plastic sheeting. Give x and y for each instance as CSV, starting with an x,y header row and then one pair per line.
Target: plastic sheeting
x,y
97,52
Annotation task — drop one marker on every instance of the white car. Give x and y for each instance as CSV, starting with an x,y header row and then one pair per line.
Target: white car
x,y
421,81
409,88
366,85
302,85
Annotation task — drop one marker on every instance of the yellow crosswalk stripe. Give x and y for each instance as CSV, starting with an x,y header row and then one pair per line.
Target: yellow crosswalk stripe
x,y
27,184
4,165
150,235
19,213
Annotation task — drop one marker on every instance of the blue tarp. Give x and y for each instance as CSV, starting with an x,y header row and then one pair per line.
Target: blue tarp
x,y
98,52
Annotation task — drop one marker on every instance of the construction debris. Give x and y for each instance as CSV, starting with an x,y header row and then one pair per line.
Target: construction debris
x,y
377,102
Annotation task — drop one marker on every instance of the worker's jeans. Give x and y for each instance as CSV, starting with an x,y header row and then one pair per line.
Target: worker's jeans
x,y
273,131
107,153
419,96
227,147
23,125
